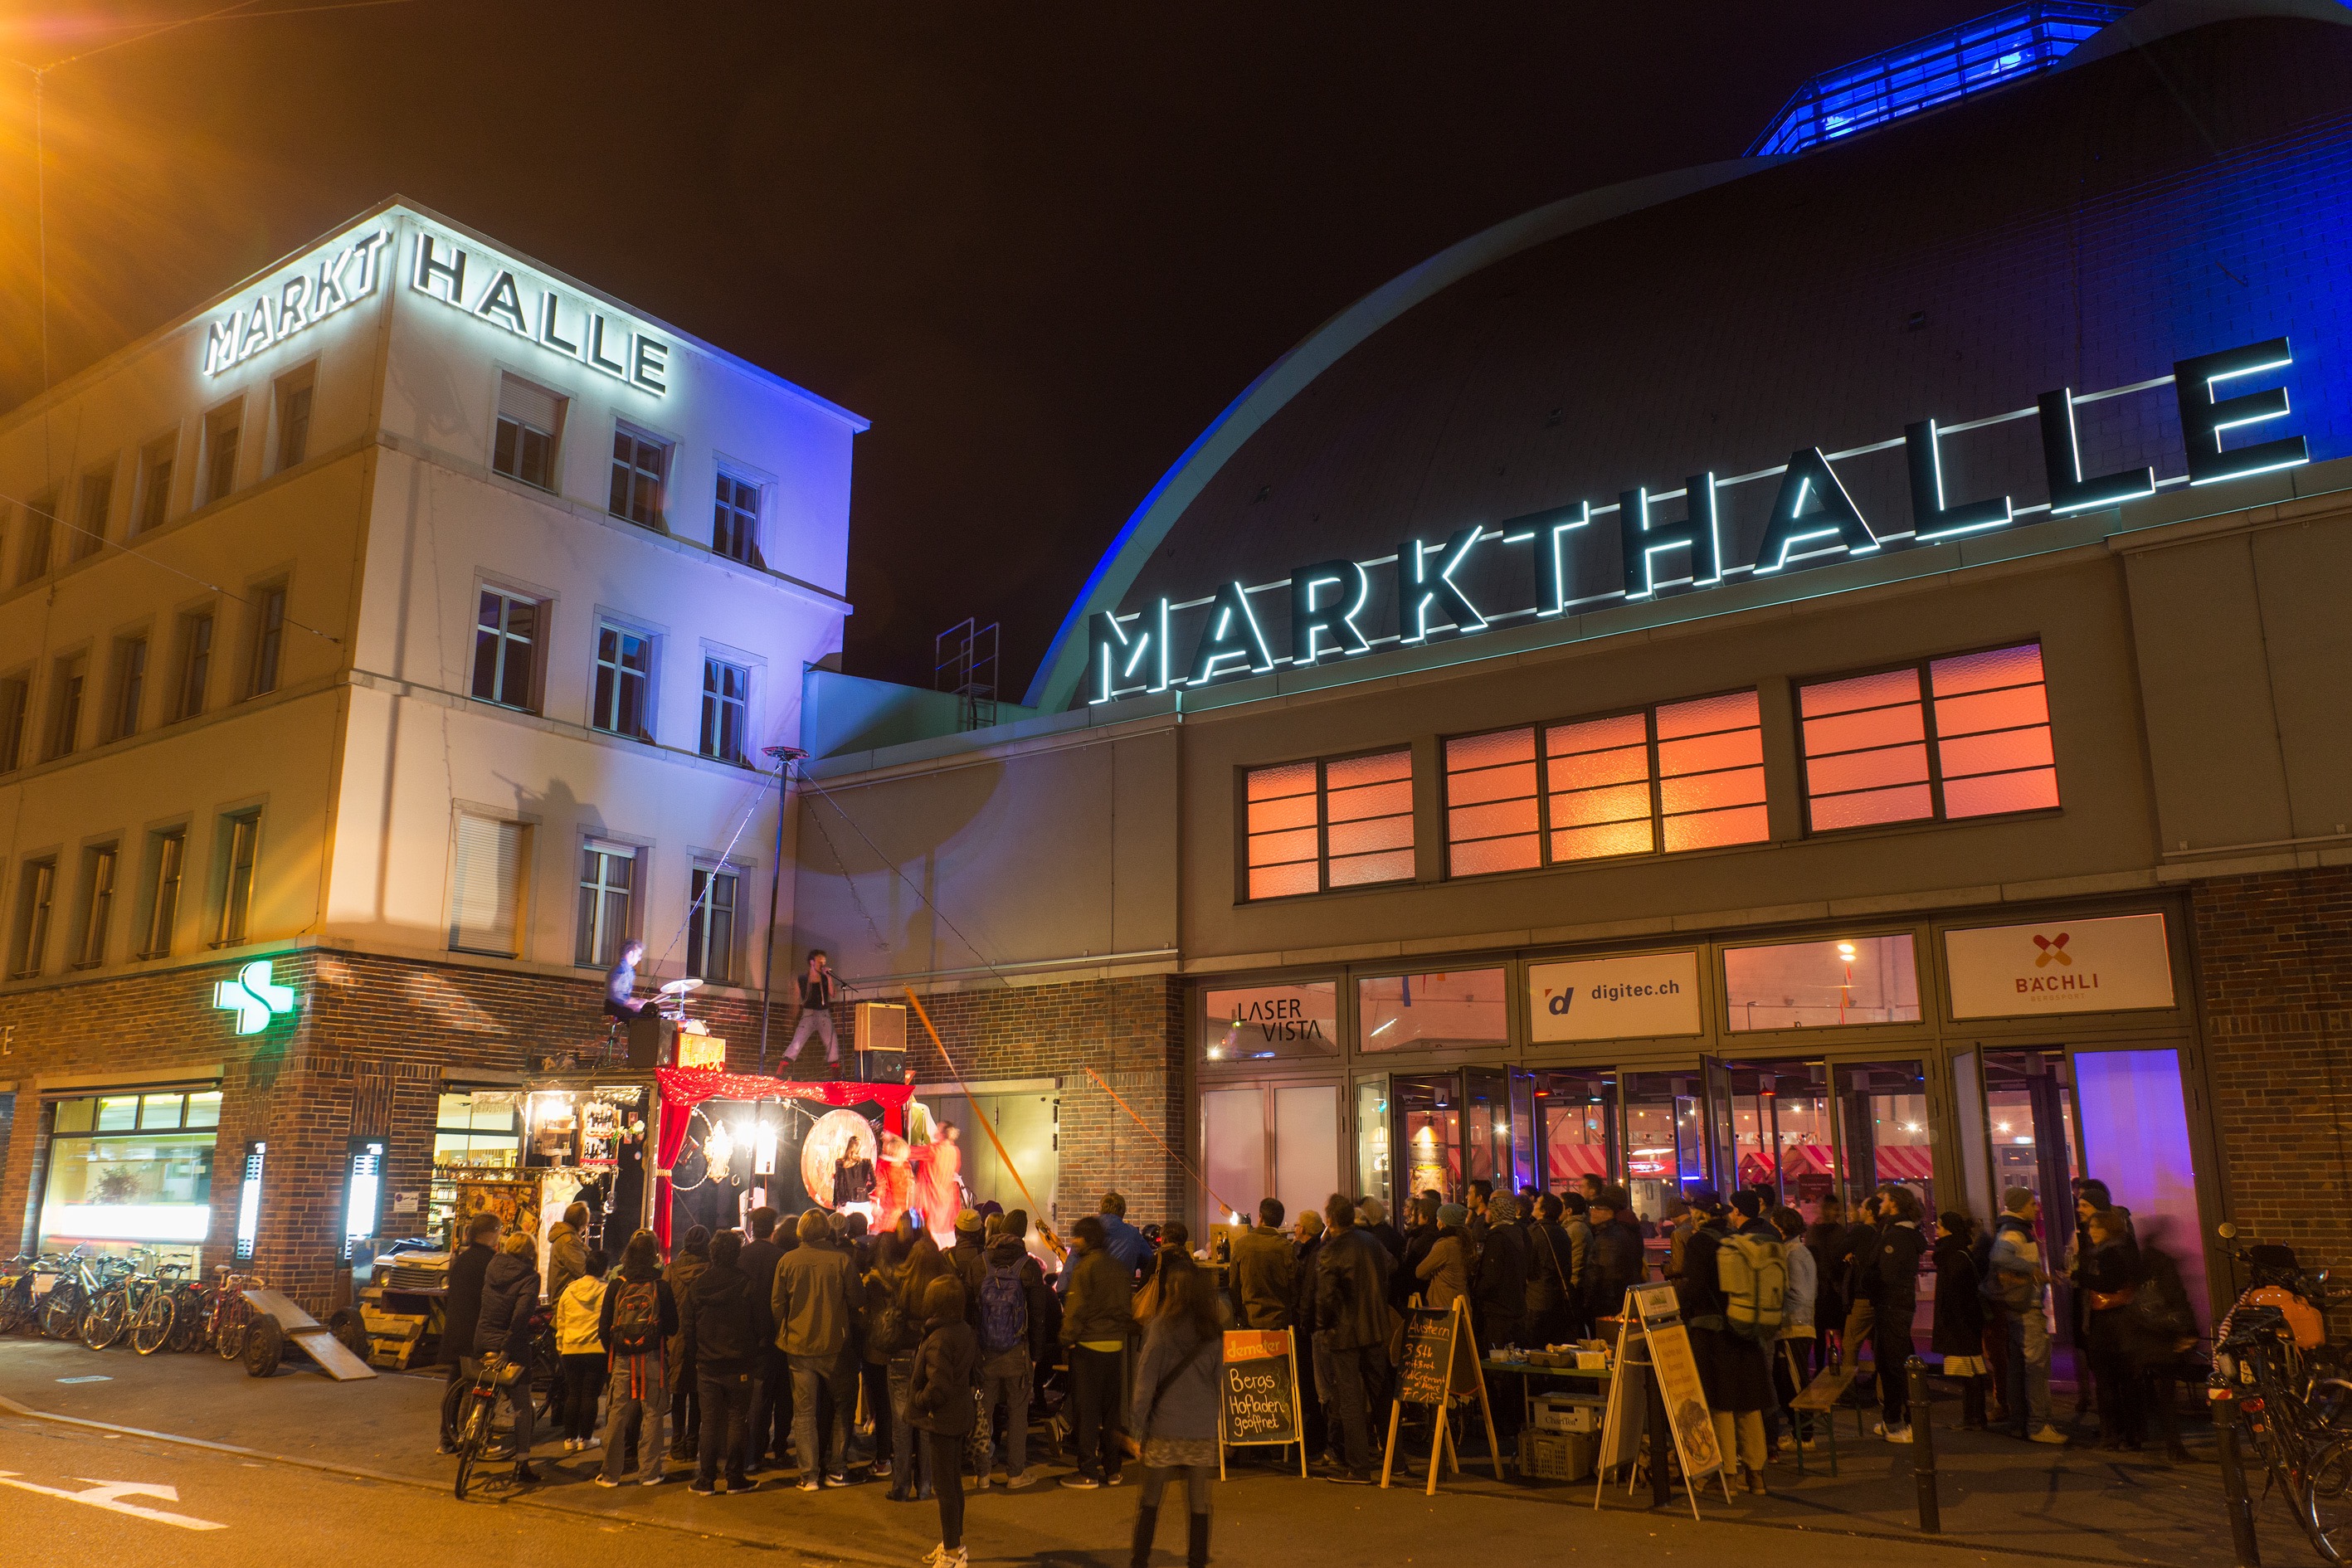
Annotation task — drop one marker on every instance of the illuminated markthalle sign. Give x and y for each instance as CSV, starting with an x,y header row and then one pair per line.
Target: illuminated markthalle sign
x,y
338,277
1812,519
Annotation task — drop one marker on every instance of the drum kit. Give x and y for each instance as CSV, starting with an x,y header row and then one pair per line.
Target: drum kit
x,y
671,1004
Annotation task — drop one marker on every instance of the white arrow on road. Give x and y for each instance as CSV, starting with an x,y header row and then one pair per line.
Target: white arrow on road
x,y
109,1495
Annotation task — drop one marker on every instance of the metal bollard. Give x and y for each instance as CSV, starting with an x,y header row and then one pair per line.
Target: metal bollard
x,y
2233,1490
1923,1448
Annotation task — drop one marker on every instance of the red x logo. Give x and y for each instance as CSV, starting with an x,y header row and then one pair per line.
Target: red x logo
x,y
2051,947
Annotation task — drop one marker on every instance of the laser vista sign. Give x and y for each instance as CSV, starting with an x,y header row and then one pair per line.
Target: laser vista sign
x,y
1812,519
469,279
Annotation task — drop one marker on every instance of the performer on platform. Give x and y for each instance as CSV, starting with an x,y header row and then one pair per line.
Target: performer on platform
x,y
894,1181
939,1186
621,982
818,989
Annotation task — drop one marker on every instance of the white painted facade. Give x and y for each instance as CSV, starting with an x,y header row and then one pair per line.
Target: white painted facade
x,y
357,761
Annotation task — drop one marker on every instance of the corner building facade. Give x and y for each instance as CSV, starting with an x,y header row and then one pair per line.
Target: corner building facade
x,y
380,646
1820,669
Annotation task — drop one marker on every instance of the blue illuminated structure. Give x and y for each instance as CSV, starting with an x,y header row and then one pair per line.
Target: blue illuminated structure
x,y
1928,73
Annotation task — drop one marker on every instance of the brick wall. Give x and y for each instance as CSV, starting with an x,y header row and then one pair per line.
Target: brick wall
x,y
2275,960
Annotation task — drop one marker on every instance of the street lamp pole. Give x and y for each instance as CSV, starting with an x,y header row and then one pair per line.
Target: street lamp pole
x,y
785,756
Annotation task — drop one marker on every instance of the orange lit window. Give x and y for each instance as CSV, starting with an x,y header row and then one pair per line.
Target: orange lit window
x,y
1317,825
1685,776
1968,736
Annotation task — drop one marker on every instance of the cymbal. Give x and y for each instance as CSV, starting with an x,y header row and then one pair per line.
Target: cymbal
x,y
679,987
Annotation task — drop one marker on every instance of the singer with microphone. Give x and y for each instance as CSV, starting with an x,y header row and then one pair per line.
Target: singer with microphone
x,y
818,990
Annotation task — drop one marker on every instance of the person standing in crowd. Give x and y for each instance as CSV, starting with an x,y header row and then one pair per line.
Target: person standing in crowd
x,y
2108,1275
1445,1268
1615,1264
509,1295
810,1303
1576,1223
1792,1353
771,1425
567,1258
1096,1316
637,1322
1175,1241
1476,1223
2021,1280
1900,1247
882,1338
723,1323
941,1403
1551,1271
1682,1220
1129,1246
912,1481
1958,1334
1498,1281
461,1313
1857,1265
1265,1270
686,1266
1175,1406
965,1256
1731,1368
1010,1284
1314,1377
1419,1235
580,1350
2166,1337
1373,1219
1351,1292
1825,1238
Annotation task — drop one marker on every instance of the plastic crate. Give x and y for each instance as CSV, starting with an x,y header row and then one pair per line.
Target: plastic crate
x,y
1557,1456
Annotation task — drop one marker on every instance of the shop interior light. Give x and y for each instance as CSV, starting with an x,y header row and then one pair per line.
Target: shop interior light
x,y
1845,949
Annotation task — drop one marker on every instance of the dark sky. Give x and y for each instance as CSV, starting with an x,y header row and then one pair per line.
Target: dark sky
x,y
1039,245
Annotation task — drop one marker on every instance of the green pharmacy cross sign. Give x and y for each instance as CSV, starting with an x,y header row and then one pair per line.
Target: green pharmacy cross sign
x,y
253,997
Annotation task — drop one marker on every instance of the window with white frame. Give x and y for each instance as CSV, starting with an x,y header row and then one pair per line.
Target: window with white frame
x,y
269,637
726,711
624,667
608,885
640,468
735,519
505,644
223,435
485,898
531,421
711,926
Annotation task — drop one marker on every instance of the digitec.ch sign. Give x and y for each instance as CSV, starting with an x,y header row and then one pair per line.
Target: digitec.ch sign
x,y
1812,519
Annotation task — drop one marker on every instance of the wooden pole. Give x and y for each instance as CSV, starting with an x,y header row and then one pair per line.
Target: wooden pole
x,y
1297,1410
1478,1371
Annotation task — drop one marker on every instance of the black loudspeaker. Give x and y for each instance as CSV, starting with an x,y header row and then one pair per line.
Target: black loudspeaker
x,y
646,1038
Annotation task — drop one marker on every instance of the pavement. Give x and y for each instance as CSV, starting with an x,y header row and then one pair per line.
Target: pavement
x,y
355,1462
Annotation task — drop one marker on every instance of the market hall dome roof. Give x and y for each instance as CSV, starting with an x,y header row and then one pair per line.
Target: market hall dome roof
x,y
2083,229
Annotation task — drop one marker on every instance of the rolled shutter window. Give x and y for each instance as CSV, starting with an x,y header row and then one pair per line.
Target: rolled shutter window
x,y
487,900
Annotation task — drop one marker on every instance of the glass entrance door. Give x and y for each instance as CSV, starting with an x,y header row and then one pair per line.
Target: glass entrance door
x,y
1883,1121
1774,1129
1575,1128
1425,1113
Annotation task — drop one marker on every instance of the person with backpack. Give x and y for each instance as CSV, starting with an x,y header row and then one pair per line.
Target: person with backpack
x,y
723,1321
1009,1282
636,1323
1176,1402
582,1354
2016,1275
941,1406
1900,1247
882,1339
1958,1336
1732,1289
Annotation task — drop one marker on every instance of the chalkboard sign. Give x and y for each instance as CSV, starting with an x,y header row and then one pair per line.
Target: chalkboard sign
x,y
1261,1389
1441,1360
1425,1375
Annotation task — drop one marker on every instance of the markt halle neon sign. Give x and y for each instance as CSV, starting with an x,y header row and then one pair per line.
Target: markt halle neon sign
x,y
1812,518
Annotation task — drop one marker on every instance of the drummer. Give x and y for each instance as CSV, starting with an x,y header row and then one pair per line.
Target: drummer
x,y
621,983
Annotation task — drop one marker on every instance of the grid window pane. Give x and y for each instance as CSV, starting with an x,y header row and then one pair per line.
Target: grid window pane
x,y
2036,789
1372,800
1906,803
1356,870
1290,778
1609,838
1711,829
1992,728
639,465
1519,854
1491,793
726,702
1865,751
1381,768
1309,826
1270,816
1284,882
1374,833
1869,742
1584,807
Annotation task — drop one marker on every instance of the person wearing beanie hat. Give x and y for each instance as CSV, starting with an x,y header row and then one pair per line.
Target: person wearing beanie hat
x,y
1444,1269
1732,1369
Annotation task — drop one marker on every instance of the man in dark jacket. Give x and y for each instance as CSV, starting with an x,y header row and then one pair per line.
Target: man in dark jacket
x,y
1419,1235
1498,1293
1265,1270
1900,1247
1352,1294
810,1300
1856,1267
460,1313
771,1425
1097,1318
1316,1376
510,1296
1615,1264
1008,1297
725,1321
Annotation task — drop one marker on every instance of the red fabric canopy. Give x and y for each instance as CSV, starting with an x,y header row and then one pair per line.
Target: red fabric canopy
x,y
683,1089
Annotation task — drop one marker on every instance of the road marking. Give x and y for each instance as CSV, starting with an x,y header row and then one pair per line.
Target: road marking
x,y
109,1495
93,1377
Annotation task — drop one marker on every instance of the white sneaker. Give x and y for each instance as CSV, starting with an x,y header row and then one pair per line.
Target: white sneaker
x,y
2049,1434
956,1559
1894,1434
931,1557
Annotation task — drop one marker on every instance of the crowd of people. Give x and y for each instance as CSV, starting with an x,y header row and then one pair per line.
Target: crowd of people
x,y
893,1358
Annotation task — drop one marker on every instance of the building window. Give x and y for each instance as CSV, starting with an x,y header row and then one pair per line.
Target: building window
x,y
506,634
97,907
1312,826
16,699
1821,985
155,483
237,884
129,685
726,702
608,881
531,418
640,463
485,898
735,519
40,526
196,664
97,508
624,662
1952,738
293,420
223,428
130,1168
1420,1012
1679,776
1262,1023
39,888
167,853
269,637
710,927
64,711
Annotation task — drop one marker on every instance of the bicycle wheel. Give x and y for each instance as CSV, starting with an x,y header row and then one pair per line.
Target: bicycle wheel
x,y
188,1319
473,1438
61,1310
2323,1507
228,1343
159,1314
104,1322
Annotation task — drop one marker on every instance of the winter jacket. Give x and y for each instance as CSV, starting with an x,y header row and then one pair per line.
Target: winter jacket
x,y
1127,1244
877,1292
1613,1266
1551,1267
723,1321
666,1305
1857,1257
1900,1247
1188,1407
1406,1280
1265,1277
1825,1240
2110,1267
1960,1308
1035,1294
576,1312
684,1269
463,1311
2017,1276
1797,1307
1303,1316
940,1397
1446,1267
1389,1236
1351,1290
1499,1286
758,1262
1100,1304
1579,1231
567,1260
509,1293
808,1301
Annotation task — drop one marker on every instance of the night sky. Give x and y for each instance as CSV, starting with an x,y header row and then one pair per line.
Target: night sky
x,y
1039,245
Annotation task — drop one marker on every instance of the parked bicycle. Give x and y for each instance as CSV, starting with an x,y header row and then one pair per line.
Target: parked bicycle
x,y
20,1288
478,1425
69,1300
2277,1377
140,1303
229,1316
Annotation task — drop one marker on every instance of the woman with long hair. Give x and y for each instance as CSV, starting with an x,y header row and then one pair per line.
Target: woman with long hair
x,y
1175,1421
